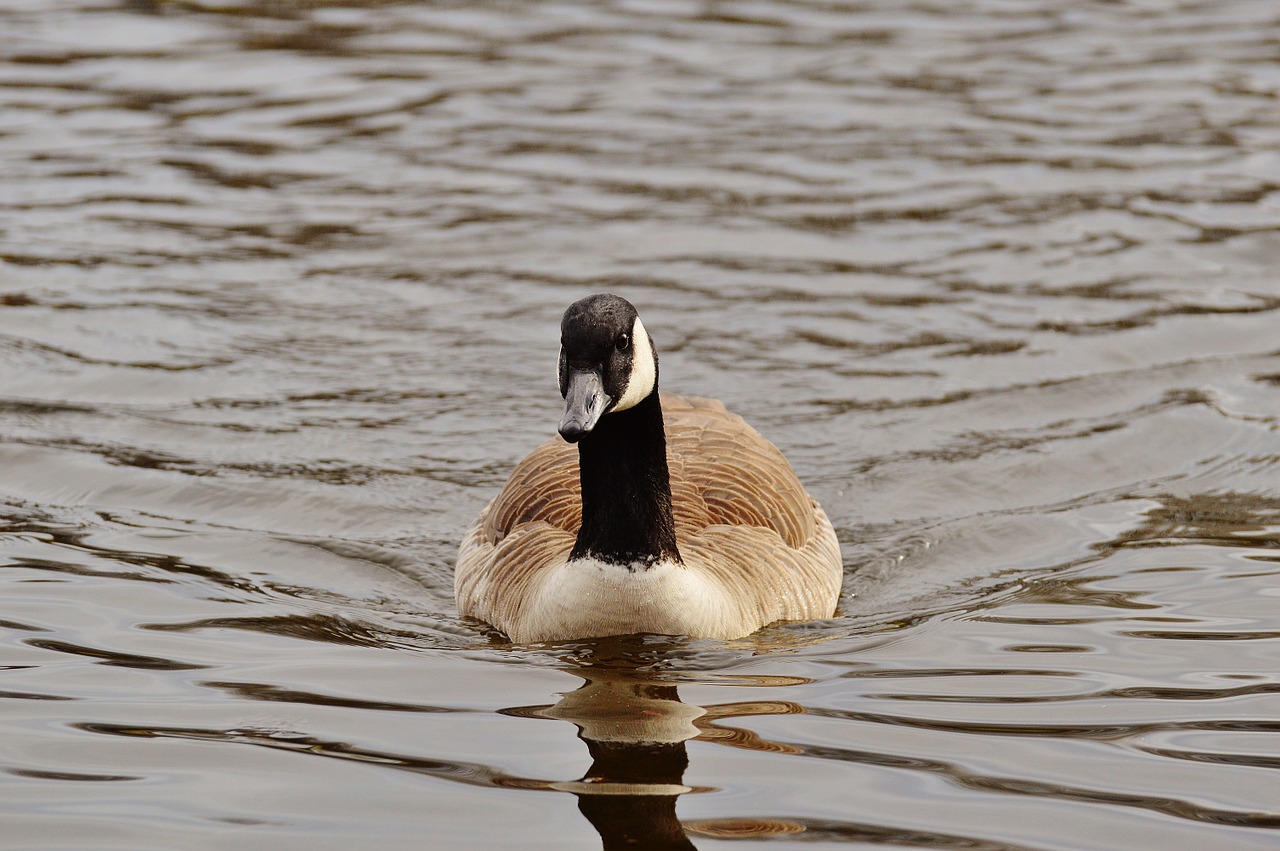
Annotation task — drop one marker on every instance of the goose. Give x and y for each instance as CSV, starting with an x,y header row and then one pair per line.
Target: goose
x,y
673,517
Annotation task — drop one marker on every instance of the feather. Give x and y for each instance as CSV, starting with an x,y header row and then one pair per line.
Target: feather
x,y
755,546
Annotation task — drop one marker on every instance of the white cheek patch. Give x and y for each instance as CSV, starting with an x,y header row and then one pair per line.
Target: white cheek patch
x,y
644,369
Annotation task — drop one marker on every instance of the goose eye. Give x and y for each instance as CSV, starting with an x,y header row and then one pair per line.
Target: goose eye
x,y
623,342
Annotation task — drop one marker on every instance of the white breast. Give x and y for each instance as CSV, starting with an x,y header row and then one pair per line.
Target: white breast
x,y
586,597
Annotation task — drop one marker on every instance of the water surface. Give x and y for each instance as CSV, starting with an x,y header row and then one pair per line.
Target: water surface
x,y
279,294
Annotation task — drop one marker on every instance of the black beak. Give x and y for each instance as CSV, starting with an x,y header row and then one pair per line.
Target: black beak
x,y
584,402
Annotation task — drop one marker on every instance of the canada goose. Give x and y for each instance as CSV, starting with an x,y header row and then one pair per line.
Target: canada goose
x,y
700,528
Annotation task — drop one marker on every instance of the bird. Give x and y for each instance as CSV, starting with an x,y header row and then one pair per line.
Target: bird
x,y
673,517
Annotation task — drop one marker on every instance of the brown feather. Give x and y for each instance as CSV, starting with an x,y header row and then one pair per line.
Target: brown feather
x,y
741,516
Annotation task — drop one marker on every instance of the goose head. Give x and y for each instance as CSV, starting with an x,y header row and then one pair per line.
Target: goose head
x,y
607,362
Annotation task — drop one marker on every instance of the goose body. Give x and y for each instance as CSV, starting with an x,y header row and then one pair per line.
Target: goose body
x,y
671,515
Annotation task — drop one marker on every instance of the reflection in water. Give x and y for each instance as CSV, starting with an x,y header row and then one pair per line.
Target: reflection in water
x,y
632,720
635,727
636,732
279,284
1229,519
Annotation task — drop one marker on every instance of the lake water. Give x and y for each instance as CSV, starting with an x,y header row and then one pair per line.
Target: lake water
x,y
280,286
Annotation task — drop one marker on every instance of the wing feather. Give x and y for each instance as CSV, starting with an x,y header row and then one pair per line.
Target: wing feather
x,y
741,516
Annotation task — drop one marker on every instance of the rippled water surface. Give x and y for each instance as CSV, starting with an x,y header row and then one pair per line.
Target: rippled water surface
x,y
279,294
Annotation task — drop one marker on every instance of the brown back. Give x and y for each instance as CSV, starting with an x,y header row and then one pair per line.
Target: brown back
x,y
723,472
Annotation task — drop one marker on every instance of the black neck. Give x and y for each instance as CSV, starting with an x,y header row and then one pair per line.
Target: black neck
x,y
640,820
626,489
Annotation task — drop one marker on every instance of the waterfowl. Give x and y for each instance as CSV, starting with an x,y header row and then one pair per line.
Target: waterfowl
x,y
673,516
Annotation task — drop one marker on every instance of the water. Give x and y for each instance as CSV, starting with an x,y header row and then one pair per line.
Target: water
x,y
279,294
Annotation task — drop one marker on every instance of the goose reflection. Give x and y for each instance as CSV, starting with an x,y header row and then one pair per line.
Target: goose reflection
x,y
636,729
627,711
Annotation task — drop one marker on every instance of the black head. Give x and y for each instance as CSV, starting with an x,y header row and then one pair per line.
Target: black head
x,y
607,362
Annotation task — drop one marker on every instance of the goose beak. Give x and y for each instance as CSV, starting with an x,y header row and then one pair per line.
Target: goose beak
x,y
584,402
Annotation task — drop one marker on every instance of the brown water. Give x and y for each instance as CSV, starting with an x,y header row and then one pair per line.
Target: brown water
x,y
279,293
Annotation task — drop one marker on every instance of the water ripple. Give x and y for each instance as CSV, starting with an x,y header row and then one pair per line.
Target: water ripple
x,y
281,285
